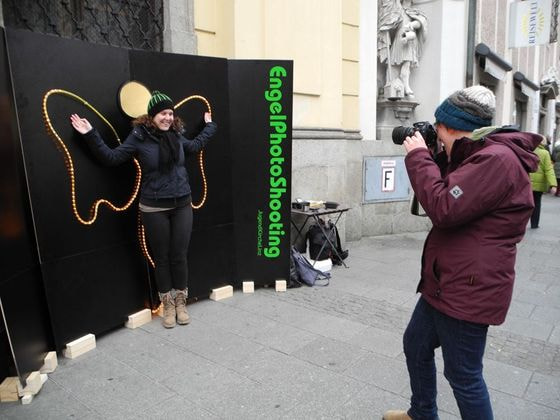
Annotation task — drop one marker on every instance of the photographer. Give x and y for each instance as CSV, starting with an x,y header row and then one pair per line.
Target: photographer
x,y
479,199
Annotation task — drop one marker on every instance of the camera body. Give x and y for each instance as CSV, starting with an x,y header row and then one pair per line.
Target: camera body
x,y
426,129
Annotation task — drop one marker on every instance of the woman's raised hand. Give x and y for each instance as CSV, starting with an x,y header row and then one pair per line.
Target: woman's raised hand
x,y
207,117
81,125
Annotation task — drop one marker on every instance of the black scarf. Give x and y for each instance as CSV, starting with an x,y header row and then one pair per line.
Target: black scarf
x,y
168,149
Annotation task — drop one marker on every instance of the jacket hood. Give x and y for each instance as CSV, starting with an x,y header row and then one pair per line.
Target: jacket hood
x,y
522,144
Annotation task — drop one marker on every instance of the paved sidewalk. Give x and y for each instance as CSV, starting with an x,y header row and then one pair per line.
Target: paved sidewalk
x,y
311,353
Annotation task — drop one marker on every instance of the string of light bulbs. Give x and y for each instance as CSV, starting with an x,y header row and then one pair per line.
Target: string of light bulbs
x,y
94,209
61,146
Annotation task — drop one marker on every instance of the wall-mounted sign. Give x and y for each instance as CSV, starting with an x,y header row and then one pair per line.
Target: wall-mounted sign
x,y
530,23
385,179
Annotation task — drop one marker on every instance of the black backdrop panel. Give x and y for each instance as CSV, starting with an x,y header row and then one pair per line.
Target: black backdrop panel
x,y
257,179
95,291
211,262
103,260
21,288
94,73
94,276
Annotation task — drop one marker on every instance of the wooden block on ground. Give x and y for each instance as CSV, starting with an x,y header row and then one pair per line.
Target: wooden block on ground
x,y
280,285
26,399
9,389
44,378
50,362
33,383
80,346
138,319
248,287
221,293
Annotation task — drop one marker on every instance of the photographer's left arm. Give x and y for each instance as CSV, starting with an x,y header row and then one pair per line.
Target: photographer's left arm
x,y
475,188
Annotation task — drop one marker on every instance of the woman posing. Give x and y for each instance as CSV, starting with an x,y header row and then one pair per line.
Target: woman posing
x,y
157,142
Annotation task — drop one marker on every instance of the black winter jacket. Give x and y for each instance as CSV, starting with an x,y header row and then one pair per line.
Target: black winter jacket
x,y
144,146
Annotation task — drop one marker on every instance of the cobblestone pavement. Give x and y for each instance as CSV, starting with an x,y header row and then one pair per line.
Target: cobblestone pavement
x,y
330,352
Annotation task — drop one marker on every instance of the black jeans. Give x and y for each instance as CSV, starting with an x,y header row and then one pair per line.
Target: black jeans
x,y
169,233
537,195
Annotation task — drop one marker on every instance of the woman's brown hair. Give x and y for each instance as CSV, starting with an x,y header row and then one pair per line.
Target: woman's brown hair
x,y
148,122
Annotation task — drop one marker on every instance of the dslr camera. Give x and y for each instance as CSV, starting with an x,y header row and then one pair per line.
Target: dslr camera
x,y
427,130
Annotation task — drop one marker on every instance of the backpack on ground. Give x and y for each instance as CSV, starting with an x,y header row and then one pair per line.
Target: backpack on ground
x,y
319,248
343,253
294,280
317,240
307,274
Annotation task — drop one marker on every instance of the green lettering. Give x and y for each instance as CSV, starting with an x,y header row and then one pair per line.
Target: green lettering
x,y
277,71
275,82
274,216
278,182
273,95
276,150
279,126
275,108
275,170
271,252
276,138
274,204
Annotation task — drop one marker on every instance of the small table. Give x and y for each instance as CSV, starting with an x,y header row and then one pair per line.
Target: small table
x,y
314,214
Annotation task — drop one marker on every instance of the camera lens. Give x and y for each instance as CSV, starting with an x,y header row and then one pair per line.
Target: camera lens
x,y
400,133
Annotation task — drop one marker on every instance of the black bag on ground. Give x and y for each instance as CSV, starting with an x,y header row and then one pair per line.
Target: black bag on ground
x,y
306,272
294,280
343,253
317,238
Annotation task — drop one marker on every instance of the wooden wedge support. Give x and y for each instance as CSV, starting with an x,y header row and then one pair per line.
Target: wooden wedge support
x,y
33,384
248,287
9,389
80,346
138,319
221,293
280,285
50,362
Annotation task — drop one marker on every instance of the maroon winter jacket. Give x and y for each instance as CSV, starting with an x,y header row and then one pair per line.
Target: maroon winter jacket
x,y
479,204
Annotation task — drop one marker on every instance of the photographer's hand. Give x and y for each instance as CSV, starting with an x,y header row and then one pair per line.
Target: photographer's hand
x,y
414,142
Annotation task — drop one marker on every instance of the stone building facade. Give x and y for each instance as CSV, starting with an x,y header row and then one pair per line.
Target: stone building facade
x,y
337,109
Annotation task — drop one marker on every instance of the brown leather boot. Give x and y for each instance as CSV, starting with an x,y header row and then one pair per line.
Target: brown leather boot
x,y
396,415
168,310
181,307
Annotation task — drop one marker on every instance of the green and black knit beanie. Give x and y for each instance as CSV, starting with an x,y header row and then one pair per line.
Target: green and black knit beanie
x,y
158,102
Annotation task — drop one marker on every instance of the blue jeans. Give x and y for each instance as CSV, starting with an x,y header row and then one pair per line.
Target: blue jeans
x,y
462,345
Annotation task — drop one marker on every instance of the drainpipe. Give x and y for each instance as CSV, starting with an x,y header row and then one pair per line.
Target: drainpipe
x,y
470,42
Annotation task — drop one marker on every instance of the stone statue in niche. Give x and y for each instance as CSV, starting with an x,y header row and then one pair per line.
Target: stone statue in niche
x,y
401,31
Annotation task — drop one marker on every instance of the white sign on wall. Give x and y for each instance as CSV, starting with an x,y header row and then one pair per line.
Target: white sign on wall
x,y
385,179
388,175
529,23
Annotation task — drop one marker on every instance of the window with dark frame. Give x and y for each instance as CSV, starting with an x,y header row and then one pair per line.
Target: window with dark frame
x,y
122,23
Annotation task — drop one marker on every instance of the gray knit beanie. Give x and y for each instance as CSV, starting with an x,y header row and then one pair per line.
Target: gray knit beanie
x,y
467,109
